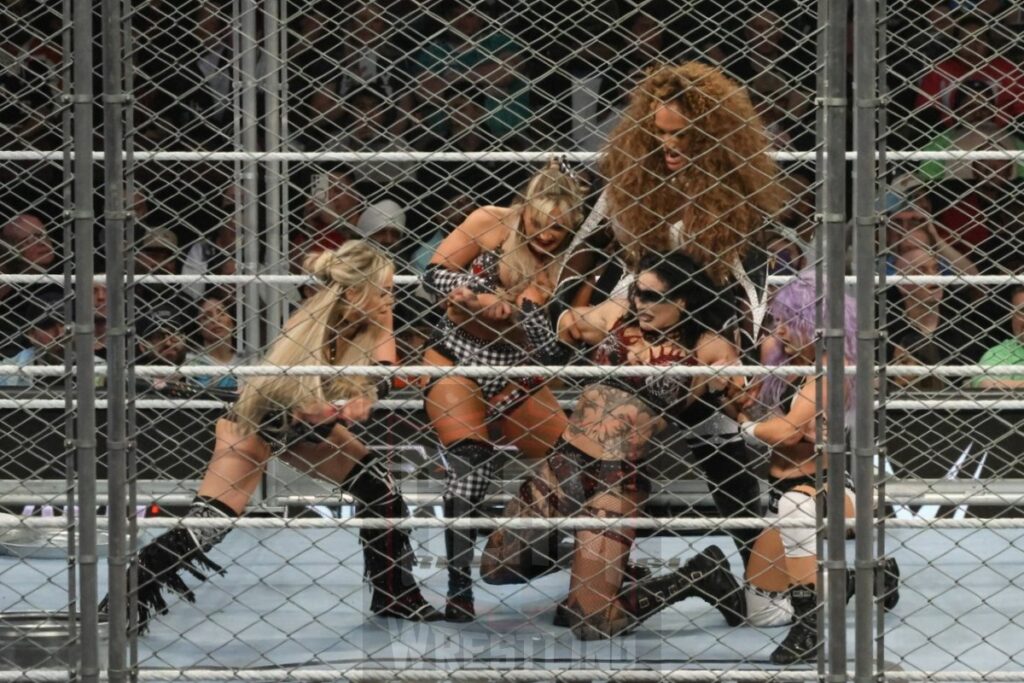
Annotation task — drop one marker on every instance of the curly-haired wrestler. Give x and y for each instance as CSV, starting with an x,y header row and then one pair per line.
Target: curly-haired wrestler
x,y
688,169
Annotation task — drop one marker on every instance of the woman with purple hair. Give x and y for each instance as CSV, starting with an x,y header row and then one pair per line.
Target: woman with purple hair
x,y
782,571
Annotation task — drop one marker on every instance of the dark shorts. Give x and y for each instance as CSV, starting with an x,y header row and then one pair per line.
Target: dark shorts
x,y
581,477
279,431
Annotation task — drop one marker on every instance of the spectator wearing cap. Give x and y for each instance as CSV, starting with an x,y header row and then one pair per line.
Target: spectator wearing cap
x,y
1007,352
157,254
160,340
43,337
383,223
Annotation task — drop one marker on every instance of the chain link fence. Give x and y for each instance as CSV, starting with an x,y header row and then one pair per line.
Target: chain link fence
x,y
511,341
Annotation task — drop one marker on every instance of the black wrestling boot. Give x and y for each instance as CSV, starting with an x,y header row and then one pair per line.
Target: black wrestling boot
x,y
459,546
387,553
890,583
634,574
801,643
163,561
711,580
705,576
388,560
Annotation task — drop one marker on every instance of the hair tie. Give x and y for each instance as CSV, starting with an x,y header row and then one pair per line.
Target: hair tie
x,y
565,168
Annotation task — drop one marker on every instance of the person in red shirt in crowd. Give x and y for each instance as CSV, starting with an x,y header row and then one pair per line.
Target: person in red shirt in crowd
x,y
974,59
331,212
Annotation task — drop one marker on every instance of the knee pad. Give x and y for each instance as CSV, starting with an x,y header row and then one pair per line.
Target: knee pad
x,y
768,608
797,541
469,465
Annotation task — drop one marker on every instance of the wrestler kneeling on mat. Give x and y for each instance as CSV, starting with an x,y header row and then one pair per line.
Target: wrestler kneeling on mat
x,y
347,322
782,571
597,468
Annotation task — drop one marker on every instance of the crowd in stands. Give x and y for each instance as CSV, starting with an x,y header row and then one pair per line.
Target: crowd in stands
x,y
468,76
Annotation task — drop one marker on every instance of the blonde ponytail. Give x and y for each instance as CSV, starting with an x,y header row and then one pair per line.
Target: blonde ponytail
x,y
312,328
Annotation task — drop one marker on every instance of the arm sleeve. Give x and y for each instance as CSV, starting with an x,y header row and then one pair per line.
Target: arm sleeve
x,y
540,323
439,282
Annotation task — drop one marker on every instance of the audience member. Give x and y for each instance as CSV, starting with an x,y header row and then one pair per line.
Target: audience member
x,y
212,256
774,60
366,130
569,45
216,333
332,209
1007,352
955,321
29,247
43,341
25,249
977,127
471,51
157,254
383,223
160,336
973,59
909,226
598,101
984,214
369,61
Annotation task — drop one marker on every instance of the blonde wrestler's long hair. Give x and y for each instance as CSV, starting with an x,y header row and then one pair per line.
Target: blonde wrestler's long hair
x,y
553,188
308,334
728,187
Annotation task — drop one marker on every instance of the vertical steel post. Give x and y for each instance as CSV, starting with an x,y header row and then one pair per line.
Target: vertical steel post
x,y
117,431
864,126
276,246
880,297
834,224
68,246
84,338
249,194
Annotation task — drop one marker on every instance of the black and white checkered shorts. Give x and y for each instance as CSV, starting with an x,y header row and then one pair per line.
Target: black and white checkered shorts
x,y
463,348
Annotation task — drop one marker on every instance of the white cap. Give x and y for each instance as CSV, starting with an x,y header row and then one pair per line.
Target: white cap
x,y
384,214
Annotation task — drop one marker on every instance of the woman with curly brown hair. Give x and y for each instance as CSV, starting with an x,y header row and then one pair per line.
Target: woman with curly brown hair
x,y
688,169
